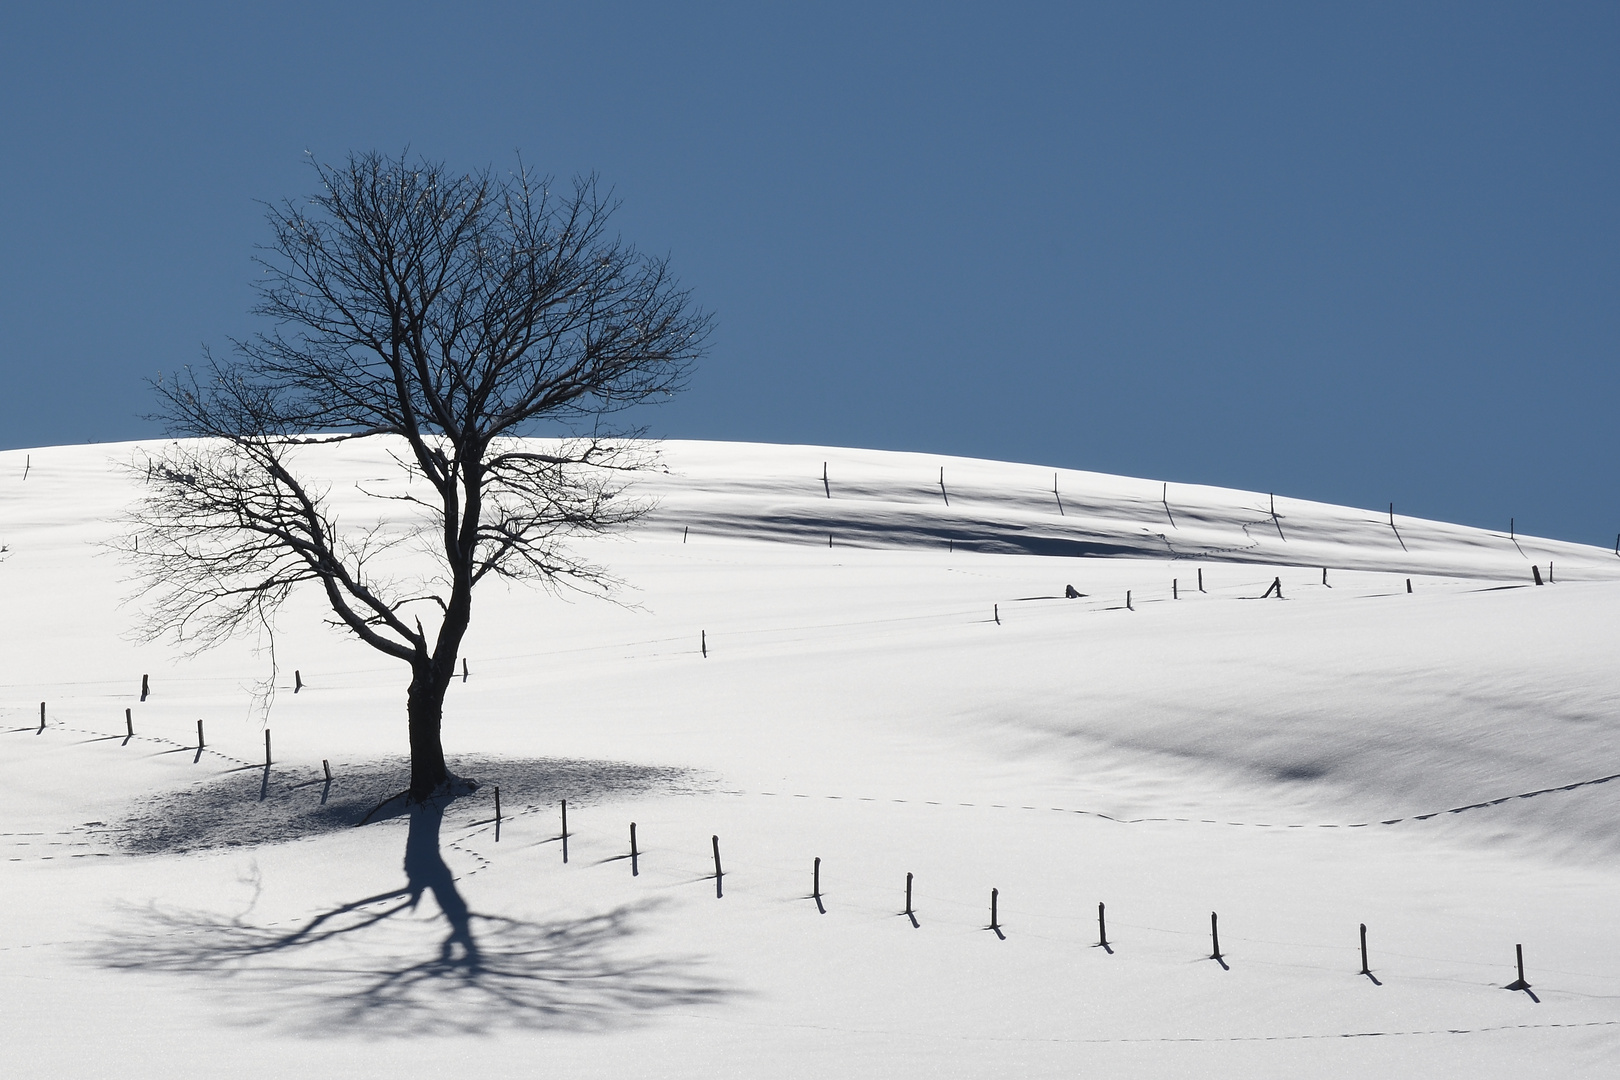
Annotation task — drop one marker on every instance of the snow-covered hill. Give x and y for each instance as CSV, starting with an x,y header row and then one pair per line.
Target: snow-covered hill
x,y
894,682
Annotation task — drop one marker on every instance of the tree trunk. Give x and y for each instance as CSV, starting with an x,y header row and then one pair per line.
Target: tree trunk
x,y
425,706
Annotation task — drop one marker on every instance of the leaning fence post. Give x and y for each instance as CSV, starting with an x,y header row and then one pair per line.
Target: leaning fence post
x,y
635,867
129,725
908,913
1215,937
1102,926
995,922
146,687
1365,970
815,885
1535,572
200,743
565,829
298,680
718,873
41,717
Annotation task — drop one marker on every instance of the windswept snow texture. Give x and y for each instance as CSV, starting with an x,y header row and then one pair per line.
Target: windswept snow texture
x,y
864,658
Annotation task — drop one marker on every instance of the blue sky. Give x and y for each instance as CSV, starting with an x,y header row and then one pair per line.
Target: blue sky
x,y
1355,253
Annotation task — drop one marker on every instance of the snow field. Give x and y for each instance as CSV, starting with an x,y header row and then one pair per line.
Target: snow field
x,y
853,699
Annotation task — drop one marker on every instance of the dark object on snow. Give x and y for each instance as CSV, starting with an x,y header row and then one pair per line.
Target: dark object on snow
x,y
1275,587
1519,983
1535,572
1070,593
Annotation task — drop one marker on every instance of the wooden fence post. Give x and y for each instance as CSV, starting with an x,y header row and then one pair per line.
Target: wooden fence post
x,y
1519,983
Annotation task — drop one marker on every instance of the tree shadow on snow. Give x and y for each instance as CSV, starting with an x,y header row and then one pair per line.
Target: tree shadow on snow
x,y
252,805
364,966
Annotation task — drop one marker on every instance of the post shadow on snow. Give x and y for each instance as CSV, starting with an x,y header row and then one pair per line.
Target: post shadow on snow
x,y
359,966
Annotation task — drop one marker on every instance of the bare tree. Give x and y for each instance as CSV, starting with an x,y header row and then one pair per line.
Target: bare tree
x,y
446,316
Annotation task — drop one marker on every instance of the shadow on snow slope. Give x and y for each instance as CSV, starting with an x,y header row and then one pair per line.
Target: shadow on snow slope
x,y
361,967
258,805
